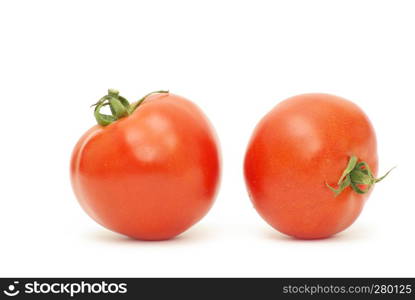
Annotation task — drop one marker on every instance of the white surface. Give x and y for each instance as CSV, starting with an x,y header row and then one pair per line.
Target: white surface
x,y
236,60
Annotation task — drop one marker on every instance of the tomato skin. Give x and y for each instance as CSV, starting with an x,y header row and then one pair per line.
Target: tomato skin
x,y
150,175
302,143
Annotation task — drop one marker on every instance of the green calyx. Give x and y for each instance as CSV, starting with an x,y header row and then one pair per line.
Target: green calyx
x,y
119,106
356,174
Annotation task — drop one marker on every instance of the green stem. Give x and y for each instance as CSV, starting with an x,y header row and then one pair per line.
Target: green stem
x,y
354,175
119,106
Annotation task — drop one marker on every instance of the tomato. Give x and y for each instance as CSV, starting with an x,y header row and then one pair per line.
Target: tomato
x,y
310,165
150,170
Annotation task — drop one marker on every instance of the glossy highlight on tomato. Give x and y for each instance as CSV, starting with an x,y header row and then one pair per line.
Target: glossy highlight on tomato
x,y
310,165
151,169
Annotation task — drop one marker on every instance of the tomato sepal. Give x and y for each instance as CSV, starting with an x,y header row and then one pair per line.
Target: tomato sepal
x,y
120,107
354,175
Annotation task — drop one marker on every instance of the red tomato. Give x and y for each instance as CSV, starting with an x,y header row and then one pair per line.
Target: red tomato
x,y
298,149
149,175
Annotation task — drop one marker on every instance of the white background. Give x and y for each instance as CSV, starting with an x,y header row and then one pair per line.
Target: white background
x,y
236,60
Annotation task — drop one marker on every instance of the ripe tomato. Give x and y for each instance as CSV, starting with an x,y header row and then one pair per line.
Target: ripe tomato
x,y
150,170
295,158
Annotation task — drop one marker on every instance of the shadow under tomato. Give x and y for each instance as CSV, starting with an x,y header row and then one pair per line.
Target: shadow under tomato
x,y
199,232
352,234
